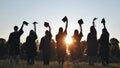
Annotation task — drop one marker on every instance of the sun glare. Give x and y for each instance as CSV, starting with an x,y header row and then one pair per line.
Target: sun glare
x,y
68,40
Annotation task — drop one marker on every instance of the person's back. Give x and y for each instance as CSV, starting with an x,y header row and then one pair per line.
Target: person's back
x,y
75,49
30,43
45,46
14,42
61,47
104,43
104,40
14,39
92,45
92,42
31,47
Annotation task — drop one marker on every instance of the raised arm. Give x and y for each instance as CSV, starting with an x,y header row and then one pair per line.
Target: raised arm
x,y
49,28
35,26
94,21
22,27
46,24
81,28
66,26
65,20
80,22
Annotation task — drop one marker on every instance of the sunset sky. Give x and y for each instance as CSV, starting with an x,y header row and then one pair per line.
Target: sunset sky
x,y
14,12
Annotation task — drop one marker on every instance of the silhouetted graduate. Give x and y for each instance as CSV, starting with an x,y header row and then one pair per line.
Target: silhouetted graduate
x,y
14,41
31,45
75,49
104,45
61,45
45,45
92,44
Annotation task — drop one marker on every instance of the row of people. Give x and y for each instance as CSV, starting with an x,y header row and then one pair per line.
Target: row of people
x,y
14,41
103,44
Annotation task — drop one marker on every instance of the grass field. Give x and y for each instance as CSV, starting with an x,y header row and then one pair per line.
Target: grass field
x,y
53,64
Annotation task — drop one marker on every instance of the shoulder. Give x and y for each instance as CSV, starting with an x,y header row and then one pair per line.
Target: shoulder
x,y
43,38
89,34
12,33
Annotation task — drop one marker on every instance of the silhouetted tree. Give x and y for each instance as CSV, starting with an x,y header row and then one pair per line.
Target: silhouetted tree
x,y
114,47
3,47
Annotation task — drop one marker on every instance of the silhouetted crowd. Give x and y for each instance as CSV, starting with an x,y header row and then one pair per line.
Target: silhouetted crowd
x,y
45,44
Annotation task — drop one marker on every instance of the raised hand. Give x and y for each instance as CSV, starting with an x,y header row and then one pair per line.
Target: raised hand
x,y
80,22
24,23
65,20
46,24
34,23
103,22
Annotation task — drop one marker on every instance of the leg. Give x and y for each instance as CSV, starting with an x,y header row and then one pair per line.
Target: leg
x,y
94,59
107,59
62,60
44,59
32,60
103,60
11,59
17,57
47,60
59,60
28,60
89,60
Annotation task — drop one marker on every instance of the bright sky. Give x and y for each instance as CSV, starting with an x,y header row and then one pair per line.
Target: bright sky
x,y
14,12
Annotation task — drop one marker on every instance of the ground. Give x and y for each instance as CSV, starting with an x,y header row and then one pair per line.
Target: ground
x,y
54,64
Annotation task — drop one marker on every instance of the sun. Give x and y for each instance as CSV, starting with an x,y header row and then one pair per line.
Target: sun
x,y
68,40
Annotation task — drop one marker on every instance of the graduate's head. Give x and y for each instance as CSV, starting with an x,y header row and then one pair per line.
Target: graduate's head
x,y
76,32
60,30
46,32
15,28
104,30
31,32
92,29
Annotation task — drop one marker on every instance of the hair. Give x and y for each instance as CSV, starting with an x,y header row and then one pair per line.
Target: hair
x,y
15,28
60,30
46,32
104,30
31,32
76,32
93,30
